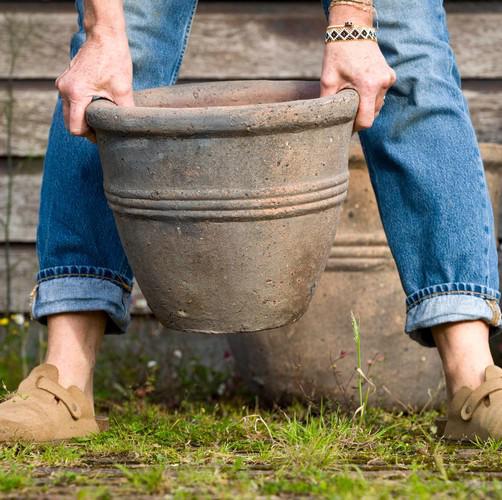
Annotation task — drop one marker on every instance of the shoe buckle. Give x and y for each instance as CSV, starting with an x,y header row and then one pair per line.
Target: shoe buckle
x,y
466,412
478,395
61,394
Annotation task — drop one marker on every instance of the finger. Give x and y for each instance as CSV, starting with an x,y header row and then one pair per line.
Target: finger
x,y
331,85
366,112
57,82
66,112
126,101
380,101
77,122
393,77
60,77
123,96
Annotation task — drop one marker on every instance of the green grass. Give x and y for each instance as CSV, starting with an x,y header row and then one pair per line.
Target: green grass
x,y
13,479
230,450
149,479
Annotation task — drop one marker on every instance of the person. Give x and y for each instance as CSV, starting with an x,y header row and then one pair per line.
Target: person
x,y
424,163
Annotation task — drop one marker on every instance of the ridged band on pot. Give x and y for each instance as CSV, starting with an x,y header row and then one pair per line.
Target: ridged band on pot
x,y
222,205
227,204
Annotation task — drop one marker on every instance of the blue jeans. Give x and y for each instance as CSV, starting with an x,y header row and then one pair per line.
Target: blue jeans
x,y
422,155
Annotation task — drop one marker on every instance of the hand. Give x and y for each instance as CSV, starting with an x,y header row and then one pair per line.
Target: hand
x,y
358,65
102,67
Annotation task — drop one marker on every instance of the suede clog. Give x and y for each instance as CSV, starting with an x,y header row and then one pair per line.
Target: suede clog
x,y
477,413
42,410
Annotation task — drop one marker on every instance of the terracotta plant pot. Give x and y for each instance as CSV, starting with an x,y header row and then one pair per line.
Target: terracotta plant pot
x,y
315,357
226,196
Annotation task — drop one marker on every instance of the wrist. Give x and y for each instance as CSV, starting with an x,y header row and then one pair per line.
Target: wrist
x,y
104,18
100,32
340,14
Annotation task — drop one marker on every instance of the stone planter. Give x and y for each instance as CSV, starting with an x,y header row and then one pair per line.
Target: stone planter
x,y
226,196
315,357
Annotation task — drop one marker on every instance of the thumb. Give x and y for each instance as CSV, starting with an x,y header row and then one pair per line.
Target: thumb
x,y
331,89
77,124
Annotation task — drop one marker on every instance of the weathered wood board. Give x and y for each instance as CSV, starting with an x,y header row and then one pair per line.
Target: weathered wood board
x,y
25,186
32,114
485,105
255,40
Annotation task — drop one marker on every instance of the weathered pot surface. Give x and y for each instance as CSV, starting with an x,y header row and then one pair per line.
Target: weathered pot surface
x,y
226,196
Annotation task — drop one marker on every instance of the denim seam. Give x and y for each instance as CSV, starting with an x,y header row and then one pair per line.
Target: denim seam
x,y
453,292
96,276
124,265
185,43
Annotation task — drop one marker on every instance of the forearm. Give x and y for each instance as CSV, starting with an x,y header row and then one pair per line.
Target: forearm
x,y
104,16
102,66
339,14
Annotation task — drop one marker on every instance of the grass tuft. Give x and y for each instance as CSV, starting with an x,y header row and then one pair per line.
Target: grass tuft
x,y
13,479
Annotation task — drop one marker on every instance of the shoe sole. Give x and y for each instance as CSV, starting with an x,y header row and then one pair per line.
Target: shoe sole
x,y
441,431
102,422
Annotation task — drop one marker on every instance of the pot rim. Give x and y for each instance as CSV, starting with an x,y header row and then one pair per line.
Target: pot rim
x,y
241,119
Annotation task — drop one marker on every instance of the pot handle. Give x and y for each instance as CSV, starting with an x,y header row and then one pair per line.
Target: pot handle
x,y
94,99
98,98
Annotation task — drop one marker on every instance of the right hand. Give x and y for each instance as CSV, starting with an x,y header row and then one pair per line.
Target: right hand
x,y
358,65
102,67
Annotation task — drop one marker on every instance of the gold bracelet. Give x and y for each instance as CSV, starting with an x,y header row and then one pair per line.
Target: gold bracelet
x,y
367,3
365,6
349,32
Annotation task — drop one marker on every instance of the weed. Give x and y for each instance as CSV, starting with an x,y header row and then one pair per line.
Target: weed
x,y
361,377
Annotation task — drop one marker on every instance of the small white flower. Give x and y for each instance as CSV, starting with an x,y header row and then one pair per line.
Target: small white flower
x,y
177,354
18,319
221,389
151,364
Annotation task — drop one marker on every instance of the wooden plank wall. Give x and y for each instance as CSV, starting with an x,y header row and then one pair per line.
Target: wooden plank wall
x,y
255,40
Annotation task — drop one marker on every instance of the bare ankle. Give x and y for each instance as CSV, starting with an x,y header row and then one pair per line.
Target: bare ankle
x,y
80,376
73,343
465,353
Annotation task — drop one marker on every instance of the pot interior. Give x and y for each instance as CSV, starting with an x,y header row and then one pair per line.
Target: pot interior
x,y
226,94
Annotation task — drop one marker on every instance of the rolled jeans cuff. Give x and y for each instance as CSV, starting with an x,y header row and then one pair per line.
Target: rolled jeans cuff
x,y
449,304
77,294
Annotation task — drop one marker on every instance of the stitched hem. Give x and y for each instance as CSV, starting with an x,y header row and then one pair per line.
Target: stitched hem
x,y
451,307
79,294
91,272
474,290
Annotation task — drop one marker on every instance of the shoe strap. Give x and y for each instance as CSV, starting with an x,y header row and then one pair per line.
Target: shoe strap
x,y
477,396
48,385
